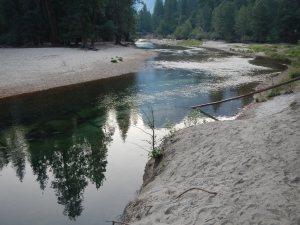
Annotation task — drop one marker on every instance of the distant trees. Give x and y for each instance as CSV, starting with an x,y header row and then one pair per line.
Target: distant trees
x,y
243,27
62,22
223,20
170,16
184,31
145,21
158,14
232,20
263,13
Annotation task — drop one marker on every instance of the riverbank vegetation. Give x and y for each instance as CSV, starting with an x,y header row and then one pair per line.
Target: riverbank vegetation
x,y
66,22
190,43
233,20
283,52
280,51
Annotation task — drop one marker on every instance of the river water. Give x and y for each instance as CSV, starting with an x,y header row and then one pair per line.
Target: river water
x,y
76,155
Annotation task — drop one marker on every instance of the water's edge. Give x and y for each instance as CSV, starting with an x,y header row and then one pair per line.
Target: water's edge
x,y
154,166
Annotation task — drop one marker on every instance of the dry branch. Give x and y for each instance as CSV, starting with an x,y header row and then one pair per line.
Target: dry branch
x,y
199,189
116,222
246,95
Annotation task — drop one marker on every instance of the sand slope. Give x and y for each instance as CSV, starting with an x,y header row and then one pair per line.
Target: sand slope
x,y
24,70
253,164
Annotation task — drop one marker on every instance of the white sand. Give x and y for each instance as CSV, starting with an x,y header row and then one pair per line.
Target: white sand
x,y
236,48
222,45
253,165
24,70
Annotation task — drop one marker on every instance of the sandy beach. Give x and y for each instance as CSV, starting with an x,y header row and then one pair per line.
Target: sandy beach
x,y
27,70
253,164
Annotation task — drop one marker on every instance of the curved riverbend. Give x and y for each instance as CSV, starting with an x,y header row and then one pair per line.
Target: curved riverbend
x,y
77,154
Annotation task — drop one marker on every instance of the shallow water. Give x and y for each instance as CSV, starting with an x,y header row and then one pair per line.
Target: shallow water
x,y
76,155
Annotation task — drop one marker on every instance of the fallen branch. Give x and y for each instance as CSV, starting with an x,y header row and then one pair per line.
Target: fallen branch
x,y
199,189
246,95
116,222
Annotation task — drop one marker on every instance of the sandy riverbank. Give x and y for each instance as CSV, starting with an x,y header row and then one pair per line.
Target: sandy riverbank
x,y
253,165
26,70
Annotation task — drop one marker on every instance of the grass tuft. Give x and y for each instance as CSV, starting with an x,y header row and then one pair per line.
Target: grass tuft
x,y
190,43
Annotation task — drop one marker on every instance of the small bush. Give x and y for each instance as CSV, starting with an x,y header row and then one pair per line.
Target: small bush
x,y
156,153
198,34
116,59
183,31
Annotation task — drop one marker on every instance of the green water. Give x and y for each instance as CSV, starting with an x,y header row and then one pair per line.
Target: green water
x,y
76,155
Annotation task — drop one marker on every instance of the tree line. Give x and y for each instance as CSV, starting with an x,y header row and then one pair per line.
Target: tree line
x,y
231,20
65,22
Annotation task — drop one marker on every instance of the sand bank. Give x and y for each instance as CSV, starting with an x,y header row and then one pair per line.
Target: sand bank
x,y
253,165
26,70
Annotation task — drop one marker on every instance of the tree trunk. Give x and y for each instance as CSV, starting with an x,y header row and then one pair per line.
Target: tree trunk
x,y
118,37
52,21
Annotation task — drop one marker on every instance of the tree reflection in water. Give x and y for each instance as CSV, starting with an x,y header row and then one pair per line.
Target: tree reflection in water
x,y
63,137
63,134
13,150
73,149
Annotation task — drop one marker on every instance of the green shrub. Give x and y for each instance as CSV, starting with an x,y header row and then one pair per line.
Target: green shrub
x,y
198,34
183,31
156,153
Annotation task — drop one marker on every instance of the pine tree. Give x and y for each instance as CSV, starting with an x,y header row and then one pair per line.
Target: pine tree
x,y
262,19
144,21
158,13
223,20
171,15
288,21
243,23
184,31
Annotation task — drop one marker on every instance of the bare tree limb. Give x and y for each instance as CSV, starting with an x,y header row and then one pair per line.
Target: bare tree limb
x,y
246,95
116,222
142,130
199,189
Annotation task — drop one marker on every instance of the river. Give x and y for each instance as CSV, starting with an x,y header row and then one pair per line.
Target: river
x,y
76,155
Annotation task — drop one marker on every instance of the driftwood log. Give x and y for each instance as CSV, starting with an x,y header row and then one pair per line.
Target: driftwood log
x,y
246,95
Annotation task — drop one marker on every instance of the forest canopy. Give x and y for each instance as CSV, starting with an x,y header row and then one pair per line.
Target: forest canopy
x,y
62,22
231,20
66,22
